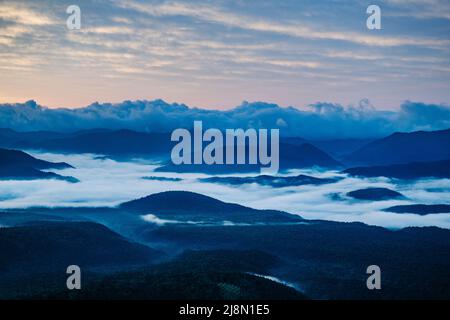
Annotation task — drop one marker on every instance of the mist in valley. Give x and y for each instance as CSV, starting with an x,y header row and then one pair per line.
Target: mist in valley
x,y
107,183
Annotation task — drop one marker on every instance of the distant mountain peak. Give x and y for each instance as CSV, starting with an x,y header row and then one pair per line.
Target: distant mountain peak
x,y
179,200
15,164
191,206
401,147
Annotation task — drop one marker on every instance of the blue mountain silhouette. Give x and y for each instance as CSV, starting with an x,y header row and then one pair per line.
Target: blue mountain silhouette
x,y
399,148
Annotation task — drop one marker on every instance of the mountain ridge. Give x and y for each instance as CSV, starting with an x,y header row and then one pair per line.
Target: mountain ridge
x,y
191,206
400,147
408,171
15,164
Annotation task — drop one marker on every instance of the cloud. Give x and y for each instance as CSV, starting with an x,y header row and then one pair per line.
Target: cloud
x,y
222,52
218,15
102,184
424,116
422,9
23,14
158,221
319,121
234,50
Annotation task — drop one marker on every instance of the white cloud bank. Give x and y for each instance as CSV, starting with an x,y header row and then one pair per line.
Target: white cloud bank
x,y
321,120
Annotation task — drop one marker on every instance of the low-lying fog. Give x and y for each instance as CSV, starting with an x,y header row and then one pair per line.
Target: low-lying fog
x,y
106,182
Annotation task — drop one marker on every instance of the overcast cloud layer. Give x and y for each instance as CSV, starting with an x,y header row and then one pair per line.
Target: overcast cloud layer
x,y
217,53
318,121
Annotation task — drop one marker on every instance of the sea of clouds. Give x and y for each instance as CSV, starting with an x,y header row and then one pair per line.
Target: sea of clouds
x,y
317,121
106,182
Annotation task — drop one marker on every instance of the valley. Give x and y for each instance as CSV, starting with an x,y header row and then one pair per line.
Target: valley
x,y
220,235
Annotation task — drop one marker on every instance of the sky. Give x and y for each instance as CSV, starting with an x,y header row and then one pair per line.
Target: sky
x,y
216,54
